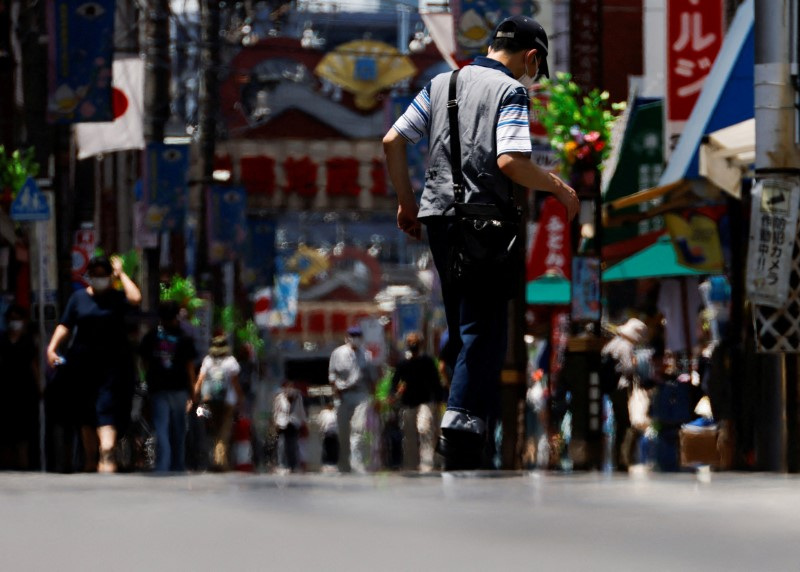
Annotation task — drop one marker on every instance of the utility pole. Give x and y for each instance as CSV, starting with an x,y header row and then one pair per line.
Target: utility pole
x,y
156,111
157,71
208,105
777,159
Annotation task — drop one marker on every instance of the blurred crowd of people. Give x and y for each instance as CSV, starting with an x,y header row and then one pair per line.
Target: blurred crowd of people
x,y
114,400
173,410
653,402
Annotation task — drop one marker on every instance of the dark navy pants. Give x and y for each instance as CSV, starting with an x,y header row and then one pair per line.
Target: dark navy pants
x,y
478,338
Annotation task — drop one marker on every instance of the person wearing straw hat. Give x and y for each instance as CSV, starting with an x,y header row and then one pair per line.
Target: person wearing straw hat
x,y
619,356
218,390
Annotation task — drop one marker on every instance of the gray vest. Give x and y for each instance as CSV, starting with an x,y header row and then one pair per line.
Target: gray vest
x,y
480,92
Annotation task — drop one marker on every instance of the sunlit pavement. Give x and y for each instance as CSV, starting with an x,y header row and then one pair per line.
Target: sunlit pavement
x,y
470,521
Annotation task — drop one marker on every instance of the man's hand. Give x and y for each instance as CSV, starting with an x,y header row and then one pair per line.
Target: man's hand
x,y
567,196
407,220
116,265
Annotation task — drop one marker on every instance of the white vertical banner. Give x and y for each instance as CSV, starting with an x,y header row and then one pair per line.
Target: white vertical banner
x,y
374,340
773,230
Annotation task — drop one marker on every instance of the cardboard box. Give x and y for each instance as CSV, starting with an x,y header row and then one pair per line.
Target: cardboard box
x,y
699,446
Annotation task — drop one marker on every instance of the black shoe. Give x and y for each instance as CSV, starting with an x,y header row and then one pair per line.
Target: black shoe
x,y
460,450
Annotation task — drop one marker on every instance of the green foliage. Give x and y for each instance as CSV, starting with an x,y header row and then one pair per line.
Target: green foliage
x,y
130,263
16,167
246,333
383,388
182,291
578,124
249,336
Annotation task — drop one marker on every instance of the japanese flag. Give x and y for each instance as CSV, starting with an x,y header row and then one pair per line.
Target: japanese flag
x,y
126,131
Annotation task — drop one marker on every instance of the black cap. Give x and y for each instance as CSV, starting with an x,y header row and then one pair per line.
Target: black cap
x,y
528,34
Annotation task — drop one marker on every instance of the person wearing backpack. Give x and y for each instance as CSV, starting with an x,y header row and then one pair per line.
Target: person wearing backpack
x,y
218,390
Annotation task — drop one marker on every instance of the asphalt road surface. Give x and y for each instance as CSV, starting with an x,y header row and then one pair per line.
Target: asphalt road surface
x,y
471,521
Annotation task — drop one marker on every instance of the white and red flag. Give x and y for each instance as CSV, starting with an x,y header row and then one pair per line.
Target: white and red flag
x,y
126,131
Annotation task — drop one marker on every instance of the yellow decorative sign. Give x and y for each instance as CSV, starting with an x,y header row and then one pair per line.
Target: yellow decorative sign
x,y
365,68
696,241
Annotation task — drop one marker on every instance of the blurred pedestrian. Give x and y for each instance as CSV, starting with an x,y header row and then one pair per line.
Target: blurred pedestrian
x,y
99,362
218,391
329,430
352,380
619,379
168,355
290,419
19,387
418,389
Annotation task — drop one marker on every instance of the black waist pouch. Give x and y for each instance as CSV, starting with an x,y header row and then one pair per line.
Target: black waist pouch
x,y
485,249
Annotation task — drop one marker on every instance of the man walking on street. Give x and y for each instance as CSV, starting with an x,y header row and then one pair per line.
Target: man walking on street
x,y
417,386
493,126
351,377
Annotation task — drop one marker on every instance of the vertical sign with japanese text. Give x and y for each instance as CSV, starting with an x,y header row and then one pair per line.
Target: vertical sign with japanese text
x,y
586,61
694,38
773,229
585,288
552,251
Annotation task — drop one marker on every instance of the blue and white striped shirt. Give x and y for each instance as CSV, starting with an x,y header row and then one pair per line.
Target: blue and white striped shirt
x,y
513,123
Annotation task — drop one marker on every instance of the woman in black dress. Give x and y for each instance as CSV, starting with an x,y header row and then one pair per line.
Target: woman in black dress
x,y
99,362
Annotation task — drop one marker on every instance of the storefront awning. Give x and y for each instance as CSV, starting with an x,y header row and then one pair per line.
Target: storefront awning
x,y
647,195
548,291
656,261
727,97
726,156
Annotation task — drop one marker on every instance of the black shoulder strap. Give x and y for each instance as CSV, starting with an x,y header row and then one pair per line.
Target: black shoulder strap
x,y
455,140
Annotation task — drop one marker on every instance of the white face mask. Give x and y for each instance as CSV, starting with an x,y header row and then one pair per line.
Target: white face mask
x,y
16,325
525,79
99,284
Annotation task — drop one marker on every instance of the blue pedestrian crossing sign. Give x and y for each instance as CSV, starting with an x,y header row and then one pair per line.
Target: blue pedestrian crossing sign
x,y
30,203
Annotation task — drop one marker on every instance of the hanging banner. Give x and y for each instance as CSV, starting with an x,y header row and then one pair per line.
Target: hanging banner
x,y
258,264
773,230
165,186
407,319
284,301
126,131
475,21
374,340
551,252
227,223
585,59
80,56
585,289
695,237
262,305
694,38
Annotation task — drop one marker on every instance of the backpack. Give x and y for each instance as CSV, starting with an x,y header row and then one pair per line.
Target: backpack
x,y
215,384
609,376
